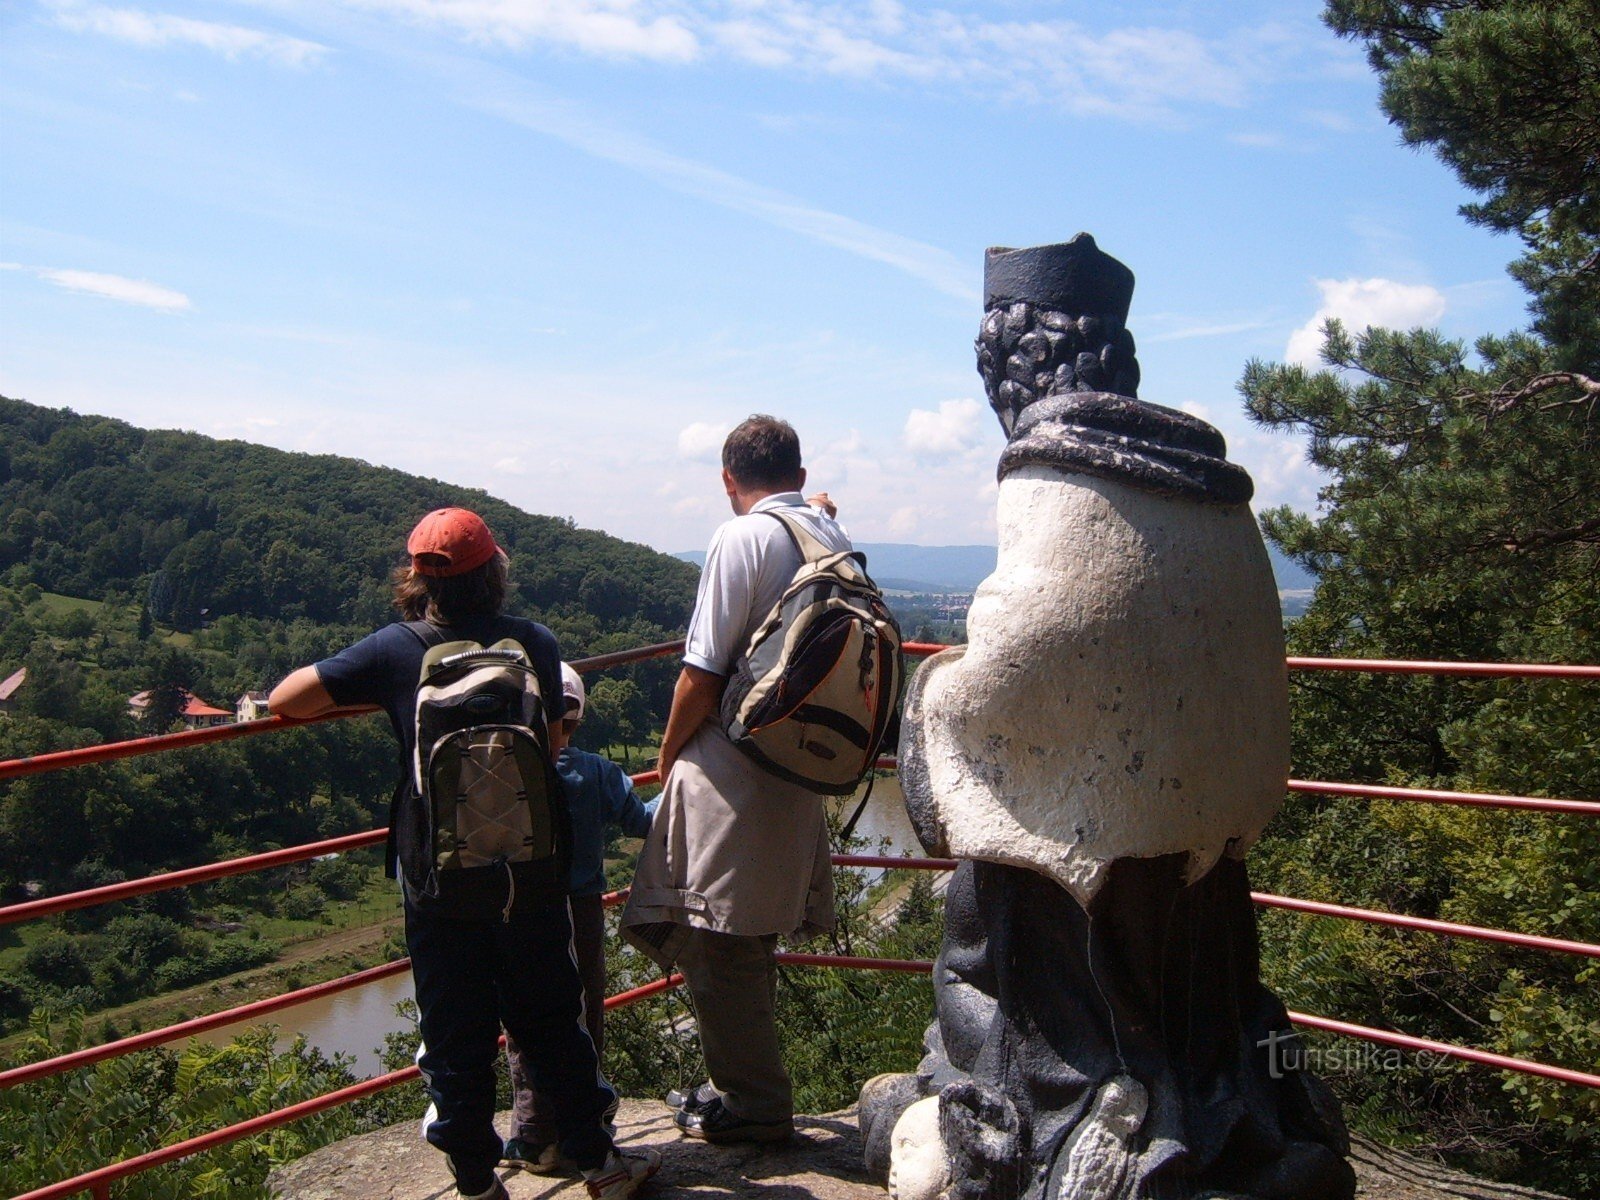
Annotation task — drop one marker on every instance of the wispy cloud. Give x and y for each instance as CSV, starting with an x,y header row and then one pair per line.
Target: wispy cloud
x,y
1136,73
607,28
156,30
1188,330
502,94
111,287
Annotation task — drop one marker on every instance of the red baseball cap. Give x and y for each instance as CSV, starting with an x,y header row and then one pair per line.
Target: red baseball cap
x,y
456,535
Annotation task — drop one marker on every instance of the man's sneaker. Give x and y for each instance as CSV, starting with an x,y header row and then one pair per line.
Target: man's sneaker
x,y
691,1101
621,1175
545,1159
714,1122
495,1191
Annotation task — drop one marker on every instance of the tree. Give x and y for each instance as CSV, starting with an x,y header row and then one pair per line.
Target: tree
x,y
1508,95
1461,520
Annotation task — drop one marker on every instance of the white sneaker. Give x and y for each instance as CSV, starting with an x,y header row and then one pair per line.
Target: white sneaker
x,y
622,1173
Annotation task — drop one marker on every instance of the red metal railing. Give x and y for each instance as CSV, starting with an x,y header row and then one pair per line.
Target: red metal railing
x,y
98,1181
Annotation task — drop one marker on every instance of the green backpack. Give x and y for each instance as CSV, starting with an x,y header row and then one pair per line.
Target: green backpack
x,y
496,814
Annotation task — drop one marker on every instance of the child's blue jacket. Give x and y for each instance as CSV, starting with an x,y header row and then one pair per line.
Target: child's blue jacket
x,y
600,794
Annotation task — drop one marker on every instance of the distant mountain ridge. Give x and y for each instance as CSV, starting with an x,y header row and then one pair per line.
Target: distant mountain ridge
x,y
904,567
200,528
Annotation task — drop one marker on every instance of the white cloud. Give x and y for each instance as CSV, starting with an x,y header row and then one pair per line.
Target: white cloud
x,y
162,29
1361,303
952,431
116,287
1135,73
605,28
701,442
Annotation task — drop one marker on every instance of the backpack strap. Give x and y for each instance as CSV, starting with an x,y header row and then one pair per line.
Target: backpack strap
x,y
429,634
810,546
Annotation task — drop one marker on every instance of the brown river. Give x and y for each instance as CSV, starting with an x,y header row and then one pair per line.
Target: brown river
x,y
354,1022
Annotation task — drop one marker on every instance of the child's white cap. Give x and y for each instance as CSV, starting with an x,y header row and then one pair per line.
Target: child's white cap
x,y
572,688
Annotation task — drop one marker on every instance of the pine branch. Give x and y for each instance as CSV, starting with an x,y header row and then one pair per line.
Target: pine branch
x,y
1504,399
1543,539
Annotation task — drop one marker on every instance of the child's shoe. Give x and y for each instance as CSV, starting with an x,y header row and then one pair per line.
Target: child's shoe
x,y
621,1175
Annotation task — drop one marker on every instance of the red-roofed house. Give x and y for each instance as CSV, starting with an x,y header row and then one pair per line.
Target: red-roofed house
x,y
9,686
197,714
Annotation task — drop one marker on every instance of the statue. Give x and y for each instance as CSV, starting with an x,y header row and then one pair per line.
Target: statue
x,y
1101,754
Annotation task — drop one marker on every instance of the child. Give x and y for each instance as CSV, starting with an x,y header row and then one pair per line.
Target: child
x,y
489,954
599,794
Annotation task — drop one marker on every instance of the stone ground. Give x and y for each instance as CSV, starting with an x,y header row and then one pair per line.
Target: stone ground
x,y
823,1163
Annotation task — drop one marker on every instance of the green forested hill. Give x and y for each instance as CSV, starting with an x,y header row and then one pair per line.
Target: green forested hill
x,y
195,525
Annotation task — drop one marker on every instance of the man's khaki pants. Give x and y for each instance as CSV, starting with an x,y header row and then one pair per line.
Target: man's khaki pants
x,y
733,981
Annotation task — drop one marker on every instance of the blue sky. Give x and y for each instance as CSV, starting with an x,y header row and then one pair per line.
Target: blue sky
x,y
556,248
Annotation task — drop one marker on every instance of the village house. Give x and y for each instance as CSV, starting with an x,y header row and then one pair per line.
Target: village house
x,y
252,706
9,687
196,714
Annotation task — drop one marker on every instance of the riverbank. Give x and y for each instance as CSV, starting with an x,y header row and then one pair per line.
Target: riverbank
x,y
313,960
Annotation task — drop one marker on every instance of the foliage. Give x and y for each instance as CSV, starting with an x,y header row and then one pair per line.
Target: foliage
x,y
1508,95
200,529
75,1122
1460,520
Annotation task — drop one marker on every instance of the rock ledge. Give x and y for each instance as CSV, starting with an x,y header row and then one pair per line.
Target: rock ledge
x,y
822,1163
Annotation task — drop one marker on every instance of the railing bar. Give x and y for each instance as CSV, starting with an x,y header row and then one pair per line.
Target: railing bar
x,y
188,876
620,658
1392,666
879,860
171,1033
1312,787
36,764
237,1015
220,1137
106,1175
1426,924
103,1177
1483,1057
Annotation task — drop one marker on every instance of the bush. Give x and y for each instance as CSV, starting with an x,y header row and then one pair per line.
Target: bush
x,y
339,878
58,960
303,902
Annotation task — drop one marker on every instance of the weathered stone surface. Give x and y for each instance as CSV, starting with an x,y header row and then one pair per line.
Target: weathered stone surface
x,y
824,1163
1123,693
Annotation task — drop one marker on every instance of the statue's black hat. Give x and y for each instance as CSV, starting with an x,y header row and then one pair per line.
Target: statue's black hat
x,y
1072,277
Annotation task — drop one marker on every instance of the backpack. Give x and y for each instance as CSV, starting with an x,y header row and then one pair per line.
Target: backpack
x,y
493,813
814,694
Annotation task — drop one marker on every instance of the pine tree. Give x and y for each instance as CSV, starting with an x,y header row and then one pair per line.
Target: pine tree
x,y
1461,521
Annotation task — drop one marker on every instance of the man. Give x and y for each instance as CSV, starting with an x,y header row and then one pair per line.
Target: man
x,y
735,857
489,953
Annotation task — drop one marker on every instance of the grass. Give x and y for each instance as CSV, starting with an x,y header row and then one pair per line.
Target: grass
x,y
57,605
